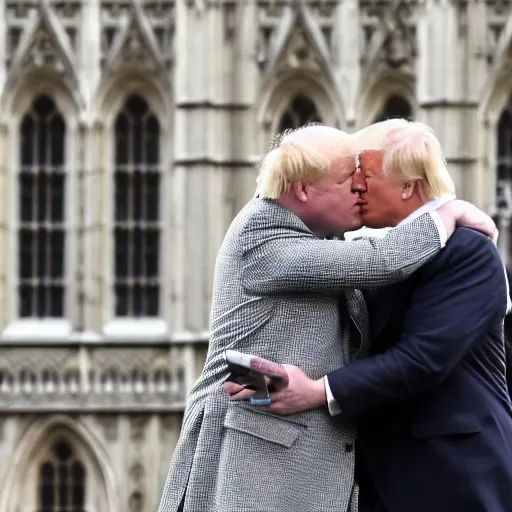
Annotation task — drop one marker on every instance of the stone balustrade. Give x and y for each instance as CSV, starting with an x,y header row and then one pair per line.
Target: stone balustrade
x,y
98,377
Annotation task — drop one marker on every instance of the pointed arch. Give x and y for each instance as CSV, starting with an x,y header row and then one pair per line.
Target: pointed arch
x,y
135,45
41,219
114,91
392,25
295,19
131,104
494,101
33,451
494,172
137,215
45,30
379,90
280,95
395,106
24,122
499,82
301,111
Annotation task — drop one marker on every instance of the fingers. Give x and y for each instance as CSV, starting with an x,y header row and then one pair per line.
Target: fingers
x,y
237,392
231,387
272,370
243,395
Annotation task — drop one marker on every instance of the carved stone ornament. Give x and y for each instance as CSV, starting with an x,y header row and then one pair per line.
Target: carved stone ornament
x,y
44,53
137,472
295,42
109,422
388,35
136,35
138,425
43,40
498,14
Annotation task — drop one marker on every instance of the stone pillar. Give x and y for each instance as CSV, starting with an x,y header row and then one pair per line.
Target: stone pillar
x,y
347,58
90,253
5,186
447,101
205,148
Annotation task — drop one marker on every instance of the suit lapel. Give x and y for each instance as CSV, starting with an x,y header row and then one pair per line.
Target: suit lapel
x,y
358,312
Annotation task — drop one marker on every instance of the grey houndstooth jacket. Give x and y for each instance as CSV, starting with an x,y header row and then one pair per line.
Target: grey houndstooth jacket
x,y
277,294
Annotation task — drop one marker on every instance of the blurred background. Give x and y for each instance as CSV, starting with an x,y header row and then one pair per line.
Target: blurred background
x,y
129,134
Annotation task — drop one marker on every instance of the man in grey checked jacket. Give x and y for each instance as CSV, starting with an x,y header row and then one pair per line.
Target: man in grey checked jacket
x,y
285,292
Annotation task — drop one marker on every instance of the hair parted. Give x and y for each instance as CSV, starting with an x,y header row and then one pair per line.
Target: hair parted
x,y
289,161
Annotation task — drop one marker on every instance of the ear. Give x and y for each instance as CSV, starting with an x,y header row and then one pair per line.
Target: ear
x,y
408,190
299,191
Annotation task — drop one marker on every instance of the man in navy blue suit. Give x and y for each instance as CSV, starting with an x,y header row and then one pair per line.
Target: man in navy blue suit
x,y
435,417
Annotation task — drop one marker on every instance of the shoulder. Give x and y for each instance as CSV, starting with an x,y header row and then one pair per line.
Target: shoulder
x,y
468,245
469,253
262,217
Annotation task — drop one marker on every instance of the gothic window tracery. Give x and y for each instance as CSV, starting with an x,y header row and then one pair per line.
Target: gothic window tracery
x,y
395,106
301,111
137,210
62,479
41,234
503,194
503,201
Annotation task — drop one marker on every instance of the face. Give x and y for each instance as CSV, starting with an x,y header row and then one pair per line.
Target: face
x,y
379,196
331,202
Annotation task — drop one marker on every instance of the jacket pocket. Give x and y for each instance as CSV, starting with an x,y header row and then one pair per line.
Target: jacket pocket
x,y
458,424
262,425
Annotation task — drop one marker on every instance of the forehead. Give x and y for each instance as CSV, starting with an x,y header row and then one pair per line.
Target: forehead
x,y
371,160
345,163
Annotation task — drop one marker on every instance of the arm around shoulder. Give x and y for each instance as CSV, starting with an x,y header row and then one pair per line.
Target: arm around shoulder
x,y
451,308
290,260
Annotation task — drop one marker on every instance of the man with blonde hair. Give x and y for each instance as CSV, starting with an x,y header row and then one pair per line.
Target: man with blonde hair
x,y
435,417
278,291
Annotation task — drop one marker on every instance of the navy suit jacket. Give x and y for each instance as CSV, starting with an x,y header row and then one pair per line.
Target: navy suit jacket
x,y
508,351
435,418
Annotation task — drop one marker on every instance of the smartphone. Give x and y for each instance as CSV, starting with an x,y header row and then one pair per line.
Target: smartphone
x,y
255,373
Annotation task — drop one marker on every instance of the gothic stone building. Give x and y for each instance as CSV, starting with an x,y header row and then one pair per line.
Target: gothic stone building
x,y
129,133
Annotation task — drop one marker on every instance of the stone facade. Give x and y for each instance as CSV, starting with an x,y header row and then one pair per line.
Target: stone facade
x,y
129,133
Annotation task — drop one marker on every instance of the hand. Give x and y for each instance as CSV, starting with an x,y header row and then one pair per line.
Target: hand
x,y
301,394
237,391
461,213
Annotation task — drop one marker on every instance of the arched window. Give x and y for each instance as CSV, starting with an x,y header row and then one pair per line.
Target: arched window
x,y
300,112
41,234
395,106
61,481
136,210
503,201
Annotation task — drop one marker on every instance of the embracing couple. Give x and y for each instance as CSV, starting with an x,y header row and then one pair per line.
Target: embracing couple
x,y
397,398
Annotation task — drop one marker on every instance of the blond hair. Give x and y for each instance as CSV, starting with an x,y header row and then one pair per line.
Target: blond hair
x,y
301,155
412,152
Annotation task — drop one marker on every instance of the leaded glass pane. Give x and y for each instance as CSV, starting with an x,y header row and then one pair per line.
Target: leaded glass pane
x,y
136,233
301,111
62,481
395,107
41,236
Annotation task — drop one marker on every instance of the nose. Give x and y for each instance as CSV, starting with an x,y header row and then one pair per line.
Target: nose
x,y
359,182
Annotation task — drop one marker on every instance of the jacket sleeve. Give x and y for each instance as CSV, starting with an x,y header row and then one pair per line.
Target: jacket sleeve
x,y
291,260
449,311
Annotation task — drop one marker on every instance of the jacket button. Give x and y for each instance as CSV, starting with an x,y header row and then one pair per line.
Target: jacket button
x,y
349,447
